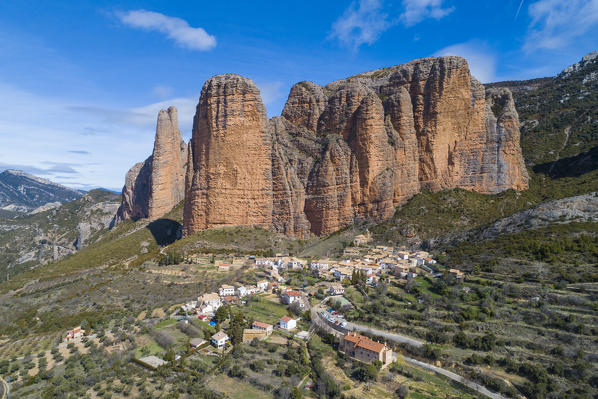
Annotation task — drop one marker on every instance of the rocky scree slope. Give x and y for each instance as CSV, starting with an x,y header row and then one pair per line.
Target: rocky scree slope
x,y
351,150
33,240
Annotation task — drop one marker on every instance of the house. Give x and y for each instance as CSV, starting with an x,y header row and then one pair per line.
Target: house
x,y
249,334
226,290
196,342
362,239
403,255
274,286
251,289
241,291
287,323
458,274
342,273
219,339
262,285
230,300
291,296
365,349
336,289
76,332
350,252
319,265
258,325
264,262
294,264
372,279
208,303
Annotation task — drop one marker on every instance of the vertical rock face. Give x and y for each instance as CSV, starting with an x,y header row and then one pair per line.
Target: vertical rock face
x,y
230,182
168,165
503,161
153,187
353,149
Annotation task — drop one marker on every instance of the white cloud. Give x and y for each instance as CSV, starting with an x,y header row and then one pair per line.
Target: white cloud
x,y
417,10
556,23
176,29
482,63
79,145
361,23
365,20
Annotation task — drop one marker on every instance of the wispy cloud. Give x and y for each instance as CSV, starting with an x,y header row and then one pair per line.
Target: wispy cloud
x,y
482,62
176,29
417,10
79,152
556,23
365,20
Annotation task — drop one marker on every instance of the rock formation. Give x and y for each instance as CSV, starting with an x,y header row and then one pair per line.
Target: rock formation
x,y
354,149
229,178
153,187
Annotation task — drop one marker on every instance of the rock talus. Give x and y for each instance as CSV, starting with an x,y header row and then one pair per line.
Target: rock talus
x,y
354,149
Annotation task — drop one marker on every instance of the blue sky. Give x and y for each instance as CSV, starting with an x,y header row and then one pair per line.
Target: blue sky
x,y
81,82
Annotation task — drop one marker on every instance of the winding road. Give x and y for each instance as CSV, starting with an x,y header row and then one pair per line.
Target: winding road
x,y
318,320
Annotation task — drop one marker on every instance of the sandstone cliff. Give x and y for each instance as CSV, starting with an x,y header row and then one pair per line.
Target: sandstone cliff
x,y
153,187
354,149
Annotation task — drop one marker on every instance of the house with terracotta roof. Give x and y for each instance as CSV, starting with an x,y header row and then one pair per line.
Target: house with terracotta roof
x,y
365,349
291,296
287,323
74,333
258,325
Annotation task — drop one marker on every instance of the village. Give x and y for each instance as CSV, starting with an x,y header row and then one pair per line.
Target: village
x,y
367,264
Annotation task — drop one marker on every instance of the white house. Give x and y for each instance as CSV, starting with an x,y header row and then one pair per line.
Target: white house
x,y
291,296
336,289
241,291
219,339
258,325
286,323
262,285
252,289
263,262
226,290
319,265
295,264
208,303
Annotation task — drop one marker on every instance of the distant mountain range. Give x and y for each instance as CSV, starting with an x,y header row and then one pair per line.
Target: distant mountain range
x,y
22,192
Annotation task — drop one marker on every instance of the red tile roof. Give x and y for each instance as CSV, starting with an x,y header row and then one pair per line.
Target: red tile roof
x,y
286,319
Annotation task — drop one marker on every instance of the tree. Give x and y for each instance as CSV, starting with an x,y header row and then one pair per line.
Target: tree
x,y
221,314
237,325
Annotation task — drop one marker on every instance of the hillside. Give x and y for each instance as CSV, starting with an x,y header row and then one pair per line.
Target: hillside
x,y
31,240
559,115
22,192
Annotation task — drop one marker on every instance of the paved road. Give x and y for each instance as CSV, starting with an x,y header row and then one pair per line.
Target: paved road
x,y
455,377
397,338
401,339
